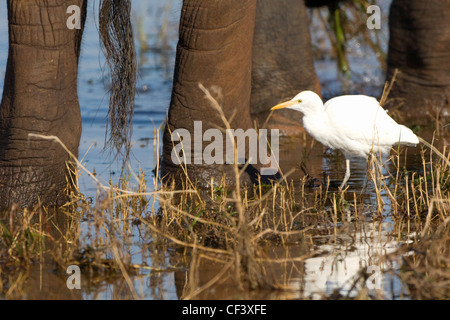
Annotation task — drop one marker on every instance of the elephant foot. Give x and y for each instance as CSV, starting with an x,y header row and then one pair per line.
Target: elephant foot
x,y
205,176
419,104
28,187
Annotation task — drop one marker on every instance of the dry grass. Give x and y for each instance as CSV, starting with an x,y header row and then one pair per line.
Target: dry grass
x,y
243,243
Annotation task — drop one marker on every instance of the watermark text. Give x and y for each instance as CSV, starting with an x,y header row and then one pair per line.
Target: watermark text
x,y
227,147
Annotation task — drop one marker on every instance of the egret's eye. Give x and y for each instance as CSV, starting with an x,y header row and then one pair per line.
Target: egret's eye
x,y
300,101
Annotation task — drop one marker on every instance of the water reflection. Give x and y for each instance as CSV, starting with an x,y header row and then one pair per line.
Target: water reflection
x,y
350,253
358,262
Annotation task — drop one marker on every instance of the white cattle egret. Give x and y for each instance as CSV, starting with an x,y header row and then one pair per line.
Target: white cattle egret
x,y
357,125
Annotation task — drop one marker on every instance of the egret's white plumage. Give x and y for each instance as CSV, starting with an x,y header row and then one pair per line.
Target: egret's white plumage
x,y
357,125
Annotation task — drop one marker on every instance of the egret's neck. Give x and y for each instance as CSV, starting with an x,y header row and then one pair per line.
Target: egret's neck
x,y
314,108
316,123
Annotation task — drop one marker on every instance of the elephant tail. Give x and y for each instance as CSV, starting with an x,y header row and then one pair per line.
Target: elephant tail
x,y
116,33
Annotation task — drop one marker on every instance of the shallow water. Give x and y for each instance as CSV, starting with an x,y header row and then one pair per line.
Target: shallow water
x,y
335,265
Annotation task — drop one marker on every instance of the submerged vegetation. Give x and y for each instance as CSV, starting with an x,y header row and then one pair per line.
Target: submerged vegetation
x,y
342,22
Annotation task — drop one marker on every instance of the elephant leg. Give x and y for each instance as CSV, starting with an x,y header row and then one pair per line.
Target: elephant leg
x,y
419,48
39,97
215,50
283,62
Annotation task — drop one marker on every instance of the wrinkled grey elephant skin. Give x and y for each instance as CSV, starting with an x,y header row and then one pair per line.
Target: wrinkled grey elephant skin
x,y
419,48
250,54
40,96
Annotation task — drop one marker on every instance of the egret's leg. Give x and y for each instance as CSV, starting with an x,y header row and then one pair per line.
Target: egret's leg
x,y
366,179
347,174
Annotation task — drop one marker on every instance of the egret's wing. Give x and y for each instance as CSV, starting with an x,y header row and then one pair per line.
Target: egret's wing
x,y
360,123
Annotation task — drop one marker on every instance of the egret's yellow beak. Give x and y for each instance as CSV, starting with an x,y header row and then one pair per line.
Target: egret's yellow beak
x,y
284,105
